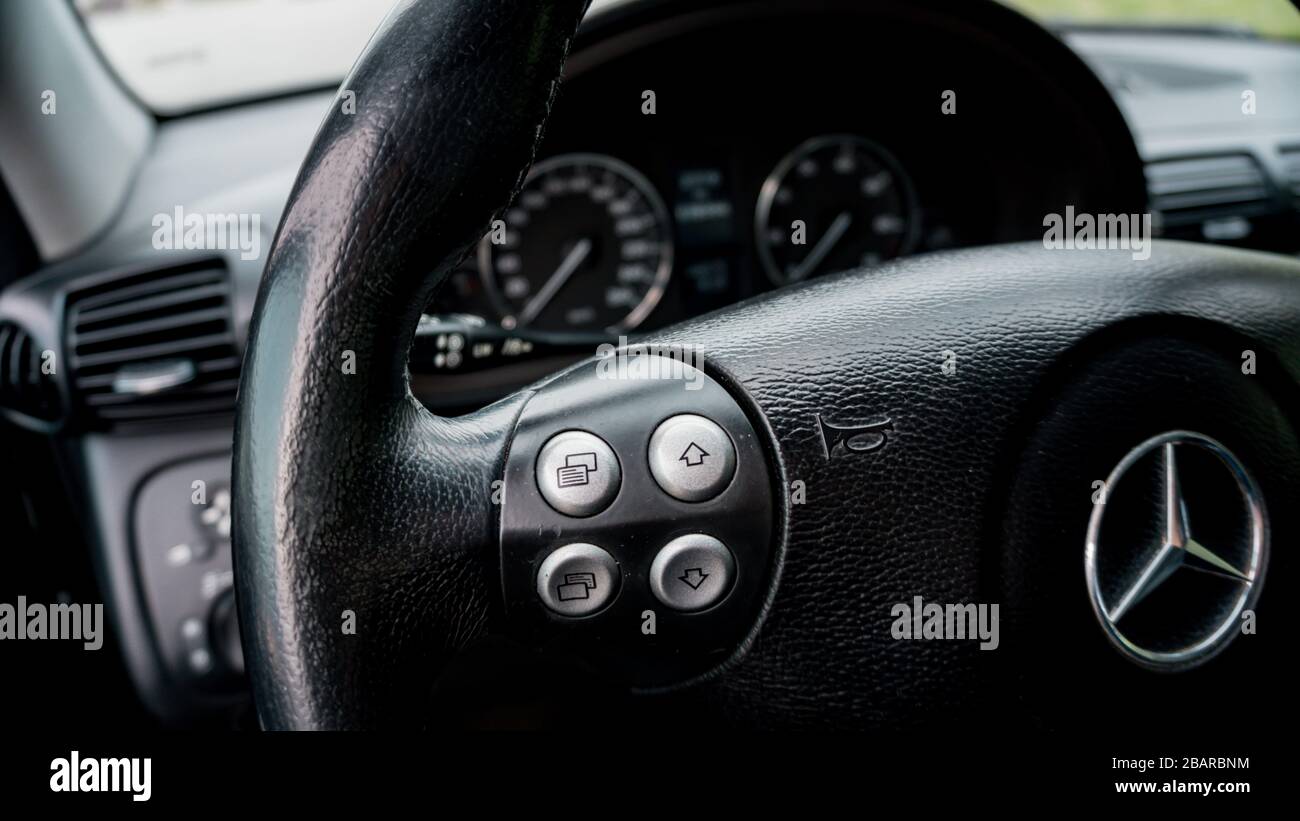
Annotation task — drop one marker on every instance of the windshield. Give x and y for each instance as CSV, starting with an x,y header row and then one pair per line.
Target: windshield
x,y
1276,19
182,55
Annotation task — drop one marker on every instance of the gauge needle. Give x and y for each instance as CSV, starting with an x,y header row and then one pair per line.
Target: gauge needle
x,y
570,264
823,247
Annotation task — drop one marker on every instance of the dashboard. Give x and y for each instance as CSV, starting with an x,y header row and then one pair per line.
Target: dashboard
x,y
697,155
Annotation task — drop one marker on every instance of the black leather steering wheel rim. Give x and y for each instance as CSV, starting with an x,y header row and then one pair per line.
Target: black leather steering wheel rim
x,y
336,289
351,498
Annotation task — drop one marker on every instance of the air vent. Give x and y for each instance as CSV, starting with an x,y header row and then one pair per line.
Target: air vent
x,y
1198,188
154,345
1291,171
24,387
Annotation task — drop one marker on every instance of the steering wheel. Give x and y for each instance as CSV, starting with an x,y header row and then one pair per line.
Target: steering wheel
x,y
933,430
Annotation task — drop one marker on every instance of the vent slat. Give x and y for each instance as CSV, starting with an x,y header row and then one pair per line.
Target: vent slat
x,y
9,394
171,299
1291,169
224,387
167,323
6,336
102,381
138,413
145,353
23,387
1210,197
1189,185
1232,182
206,276
18,352
167,333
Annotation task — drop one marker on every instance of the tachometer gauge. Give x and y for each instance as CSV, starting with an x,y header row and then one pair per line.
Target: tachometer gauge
x,y
586,246
834,203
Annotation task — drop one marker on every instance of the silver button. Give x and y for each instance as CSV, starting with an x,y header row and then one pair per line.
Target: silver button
x,y
578,473
692,572
691,458
577,579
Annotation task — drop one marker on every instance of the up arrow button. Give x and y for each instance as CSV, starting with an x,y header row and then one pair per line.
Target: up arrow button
x,y
691,457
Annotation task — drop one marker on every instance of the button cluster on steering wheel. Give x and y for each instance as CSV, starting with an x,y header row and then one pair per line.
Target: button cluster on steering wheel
x,y
638,521
579,475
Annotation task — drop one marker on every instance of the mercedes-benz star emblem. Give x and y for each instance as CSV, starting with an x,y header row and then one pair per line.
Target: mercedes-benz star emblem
x,y
1176,552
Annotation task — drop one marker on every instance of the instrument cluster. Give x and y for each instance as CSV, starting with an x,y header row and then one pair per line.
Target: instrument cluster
x,y
593,247
588,245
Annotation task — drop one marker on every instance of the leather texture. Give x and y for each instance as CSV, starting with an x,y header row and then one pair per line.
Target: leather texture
x,y
923,515
352,500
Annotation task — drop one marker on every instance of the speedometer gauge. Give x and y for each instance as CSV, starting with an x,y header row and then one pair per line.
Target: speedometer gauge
x,y
833,203
586,246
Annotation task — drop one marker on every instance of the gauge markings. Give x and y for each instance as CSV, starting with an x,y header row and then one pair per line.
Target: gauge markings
x,y
589,249
848,198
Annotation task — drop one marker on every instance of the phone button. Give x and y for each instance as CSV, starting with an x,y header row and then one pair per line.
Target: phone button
x,y
578,580
577,473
